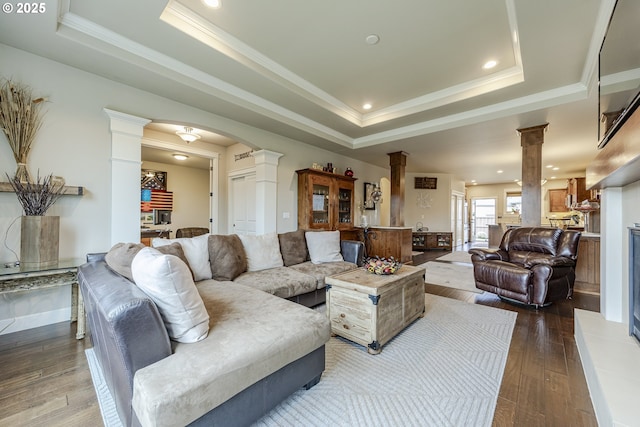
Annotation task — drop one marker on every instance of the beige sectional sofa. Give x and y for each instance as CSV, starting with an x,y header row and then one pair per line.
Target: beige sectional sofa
x,y
256,349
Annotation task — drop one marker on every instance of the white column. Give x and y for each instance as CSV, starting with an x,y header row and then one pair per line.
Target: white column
x,y
612,256
266,190
126,134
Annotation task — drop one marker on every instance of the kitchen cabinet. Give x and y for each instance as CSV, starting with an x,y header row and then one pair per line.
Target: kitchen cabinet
x,y
426,240
325,200
558,200
577,191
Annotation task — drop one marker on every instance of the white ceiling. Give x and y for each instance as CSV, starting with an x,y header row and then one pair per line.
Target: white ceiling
x,y
303,69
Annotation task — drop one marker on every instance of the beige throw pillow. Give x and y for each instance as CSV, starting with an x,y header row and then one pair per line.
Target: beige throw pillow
x,y
324,246
263,251
226,256
120,256
293,247
166,279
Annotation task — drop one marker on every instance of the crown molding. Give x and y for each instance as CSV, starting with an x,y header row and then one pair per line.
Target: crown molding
x,y
523,104
446,96
192,24
86,32
83,31
184,19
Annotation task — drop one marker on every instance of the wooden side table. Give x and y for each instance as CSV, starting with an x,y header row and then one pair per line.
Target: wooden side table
x,y
24,279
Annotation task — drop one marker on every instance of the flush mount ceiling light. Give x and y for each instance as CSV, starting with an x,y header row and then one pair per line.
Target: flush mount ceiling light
x,y
214,4
180,157
187,135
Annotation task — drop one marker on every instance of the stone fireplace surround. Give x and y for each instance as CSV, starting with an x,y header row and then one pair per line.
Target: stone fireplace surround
x,y
610,356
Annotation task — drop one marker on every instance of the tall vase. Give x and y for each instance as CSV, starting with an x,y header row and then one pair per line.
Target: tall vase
x,y
39,241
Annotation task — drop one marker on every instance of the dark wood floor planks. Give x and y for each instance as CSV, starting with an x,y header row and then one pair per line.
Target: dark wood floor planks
x,y
45,380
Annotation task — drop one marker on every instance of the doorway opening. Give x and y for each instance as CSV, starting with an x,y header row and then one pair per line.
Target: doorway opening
x,y
483,213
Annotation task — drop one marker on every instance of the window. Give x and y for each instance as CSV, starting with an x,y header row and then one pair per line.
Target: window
x,y
513,203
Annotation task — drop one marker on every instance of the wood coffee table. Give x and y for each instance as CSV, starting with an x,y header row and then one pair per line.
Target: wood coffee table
x,y
370,309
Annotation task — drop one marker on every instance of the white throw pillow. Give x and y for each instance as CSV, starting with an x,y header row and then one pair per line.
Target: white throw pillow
x,y
324,246
166,279
196,249
262,251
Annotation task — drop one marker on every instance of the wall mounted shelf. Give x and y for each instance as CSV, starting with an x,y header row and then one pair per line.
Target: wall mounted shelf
x,y
5,187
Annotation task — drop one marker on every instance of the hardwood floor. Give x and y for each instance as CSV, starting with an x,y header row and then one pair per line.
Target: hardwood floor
x,y
543,382
45,380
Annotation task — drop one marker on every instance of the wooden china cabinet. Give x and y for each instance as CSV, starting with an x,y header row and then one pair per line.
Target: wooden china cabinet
x,y
325,200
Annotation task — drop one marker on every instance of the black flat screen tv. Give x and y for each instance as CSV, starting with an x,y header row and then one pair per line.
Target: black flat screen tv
x,y
619,70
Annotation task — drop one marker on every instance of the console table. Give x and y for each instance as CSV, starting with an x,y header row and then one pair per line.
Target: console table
x,y
426,240
24,279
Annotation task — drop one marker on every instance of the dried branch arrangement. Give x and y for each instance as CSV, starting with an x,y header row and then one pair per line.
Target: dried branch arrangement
x,y
37,197
20,120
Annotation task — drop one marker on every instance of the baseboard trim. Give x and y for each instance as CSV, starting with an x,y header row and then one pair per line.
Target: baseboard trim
x,y
36,320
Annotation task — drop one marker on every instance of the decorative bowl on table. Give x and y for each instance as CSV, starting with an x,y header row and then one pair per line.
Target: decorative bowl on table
x,y
382,266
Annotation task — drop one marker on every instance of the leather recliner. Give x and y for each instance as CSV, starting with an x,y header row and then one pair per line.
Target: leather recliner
x,y
533,265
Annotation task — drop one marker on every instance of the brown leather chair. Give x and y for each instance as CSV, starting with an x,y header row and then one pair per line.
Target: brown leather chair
x,y
191,231
533,265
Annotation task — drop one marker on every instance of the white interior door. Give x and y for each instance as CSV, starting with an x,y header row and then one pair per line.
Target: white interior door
x,y
243,204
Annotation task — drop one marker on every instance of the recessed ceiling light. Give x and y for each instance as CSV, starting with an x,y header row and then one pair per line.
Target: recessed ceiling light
x,y
366,106
180,157
490,64
516,180
549,166
473,180
556,168
215,4
500,171
553,177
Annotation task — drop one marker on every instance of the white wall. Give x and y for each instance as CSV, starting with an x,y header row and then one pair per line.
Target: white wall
x,y
75,143
437,217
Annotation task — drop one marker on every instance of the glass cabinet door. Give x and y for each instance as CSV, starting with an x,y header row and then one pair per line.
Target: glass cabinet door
x,y
320,204
345,197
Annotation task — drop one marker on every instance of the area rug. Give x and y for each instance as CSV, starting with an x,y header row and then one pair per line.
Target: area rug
x,y
456,256
443,370
458,276
110,416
